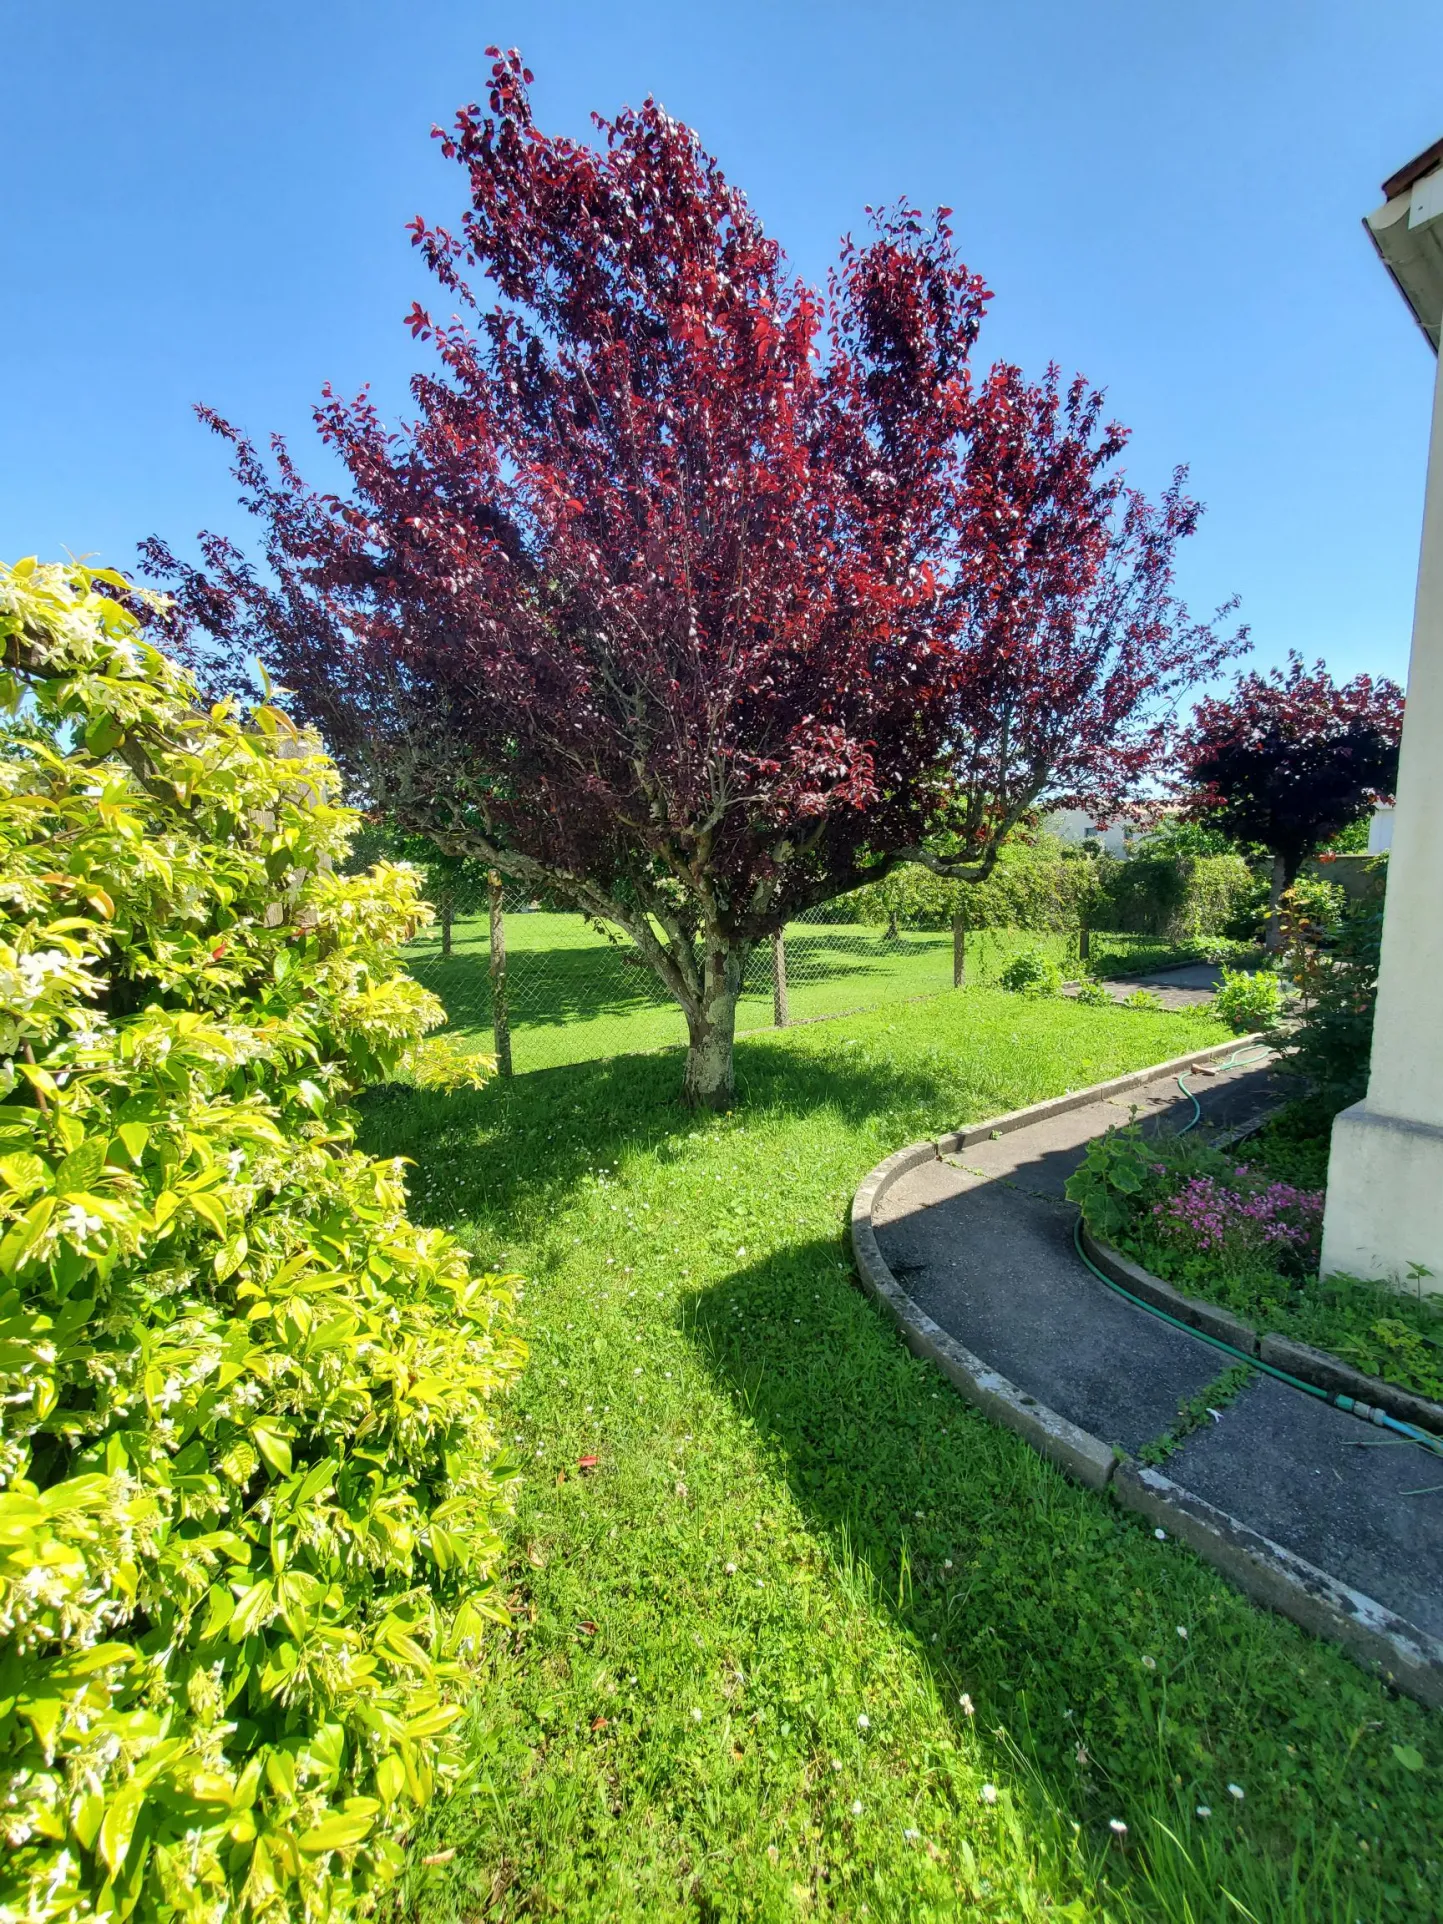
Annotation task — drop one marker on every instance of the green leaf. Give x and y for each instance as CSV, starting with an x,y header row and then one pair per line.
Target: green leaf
x,y
117,1827
210,1209
1408,1757
81,1169
311,1095
254,1608
273,1447
135,1135
22,1172
337,1833
390,1778
22,1236
231,1254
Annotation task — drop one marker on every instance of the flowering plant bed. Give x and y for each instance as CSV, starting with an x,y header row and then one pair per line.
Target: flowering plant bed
x,y
1241,1230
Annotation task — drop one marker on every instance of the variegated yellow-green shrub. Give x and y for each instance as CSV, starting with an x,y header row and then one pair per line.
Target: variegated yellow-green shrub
x,y
252,1487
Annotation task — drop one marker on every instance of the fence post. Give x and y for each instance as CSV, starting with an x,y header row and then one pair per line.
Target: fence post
x,y
500,1018
780,1012
448,912
1084,943
959,949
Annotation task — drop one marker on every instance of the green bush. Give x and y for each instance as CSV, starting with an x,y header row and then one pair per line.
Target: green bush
x,y
1332,1040
1043,884
1038,883
1147,999
1093,994
1031,974
1179,895
1246,1002
252,1485
1314,908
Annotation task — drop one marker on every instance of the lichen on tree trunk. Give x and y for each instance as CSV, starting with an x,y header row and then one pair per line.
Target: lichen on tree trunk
x,y
711,1023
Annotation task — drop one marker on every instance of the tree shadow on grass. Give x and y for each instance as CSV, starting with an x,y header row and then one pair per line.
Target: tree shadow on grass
x,y
551,986
1049,1611
527,1142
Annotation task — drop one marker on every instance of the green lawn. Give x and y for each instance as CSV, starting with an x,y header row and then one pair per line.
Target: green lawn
x,y
576,997
735,1687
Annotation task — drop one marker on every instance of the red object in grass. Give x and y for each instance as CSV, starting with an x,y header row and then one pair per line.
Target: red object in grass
x,y
587,1628
587,1462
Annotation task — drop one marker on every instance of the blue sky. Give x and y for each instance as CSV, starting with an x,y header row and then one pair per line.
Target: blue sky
x,y
201,203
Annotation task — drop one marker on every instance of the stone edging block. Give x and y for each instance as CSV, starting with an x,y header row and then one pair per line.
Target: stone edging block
x,y
1295,1588
1079,1098
1140,1282
1407,1657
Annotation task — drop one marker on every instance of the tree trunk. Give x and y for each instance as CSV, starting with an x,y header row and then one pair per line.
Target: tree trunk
x,y
959,950
711,1031
500,1014
893,933
781,1011
1273,939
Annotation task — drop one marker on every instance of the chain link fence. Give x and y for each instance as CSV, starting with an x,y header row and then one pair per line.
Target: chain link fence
x,y
565,992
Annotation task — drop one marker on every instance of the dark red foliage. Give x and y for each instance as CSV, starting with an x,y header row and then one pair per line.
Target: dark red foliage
x,y
694,593
1289,759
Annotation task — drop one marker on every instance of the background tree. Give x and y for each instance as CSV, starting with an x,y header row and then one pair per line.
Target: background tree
x,y
1289,759
453,884
694,595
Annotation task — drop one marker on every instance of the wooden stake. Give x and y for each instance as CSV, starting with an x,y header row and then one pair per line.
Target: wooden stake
x,y
500,1016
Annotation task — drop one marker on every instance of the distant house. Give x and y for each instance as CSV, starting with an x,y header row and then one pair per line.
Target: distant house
x,y
1116,836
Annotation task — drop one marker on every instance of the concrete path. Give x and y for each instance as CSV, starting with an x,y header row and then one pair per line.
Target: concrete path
x,y
1180,988
982,1242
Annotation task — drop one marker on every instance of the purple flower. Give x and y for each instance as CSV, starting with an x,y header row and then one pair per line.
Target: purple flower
x,y
1211,1217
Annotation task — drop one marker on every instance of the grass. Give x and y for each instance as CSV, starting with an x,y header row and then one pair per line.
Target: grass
x,y
574,996
813,1638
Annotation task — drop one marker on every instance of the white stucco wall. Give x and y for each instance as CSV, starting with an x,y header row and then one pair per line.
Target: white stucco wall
x,y
1076,825
1385,1175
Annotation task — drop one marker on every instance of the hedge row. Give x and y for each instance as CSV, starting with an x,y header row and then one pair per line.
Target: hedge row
x,y
1046,885
253,1490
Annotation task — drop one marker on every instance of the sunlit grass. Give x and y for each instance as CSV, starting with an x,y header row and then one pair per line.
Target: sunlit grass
x,y
576,996
793,1526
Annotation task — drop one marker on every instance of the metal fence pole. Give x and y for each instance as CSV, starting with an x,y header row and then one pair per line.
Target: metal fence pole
x,y
500,1016
959,949
779,980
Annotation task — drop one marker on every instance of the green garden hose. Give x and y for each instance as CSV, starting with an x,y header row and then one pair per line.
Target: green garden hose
x,y
1366,1412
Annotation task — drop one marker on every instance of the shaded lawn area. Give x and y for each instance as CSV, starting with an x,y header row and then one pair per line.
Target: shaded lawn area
x,y
746,1644
574,996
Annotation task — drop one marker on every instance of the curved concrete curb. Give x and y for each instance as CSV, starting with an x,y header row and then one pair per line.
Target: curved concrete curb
x,y
1309,1365
1405,1656
1079,1098
1071,1448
